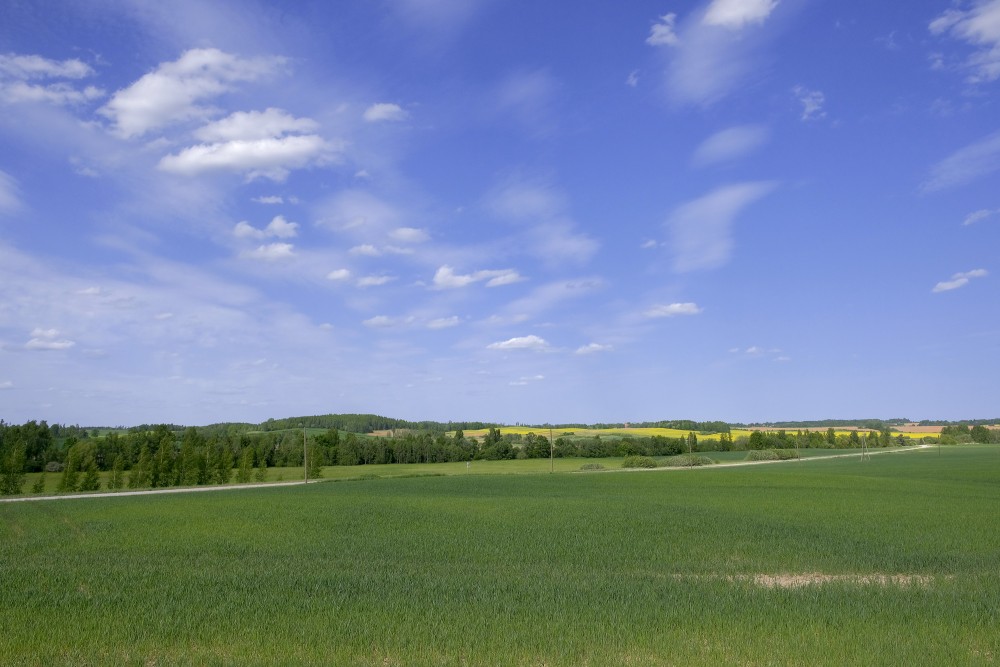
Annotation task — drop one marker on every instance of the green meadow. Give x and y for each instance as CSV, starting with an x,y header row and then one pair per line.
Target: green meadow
x,y
889,561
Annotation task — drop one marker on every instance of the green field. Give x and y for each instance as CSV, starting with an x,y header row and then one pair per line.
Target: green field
x,y
658,568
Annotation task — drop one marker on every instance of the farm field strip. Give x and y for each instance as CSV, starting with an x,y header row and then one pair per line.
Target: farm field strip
x,y
534,466
886,563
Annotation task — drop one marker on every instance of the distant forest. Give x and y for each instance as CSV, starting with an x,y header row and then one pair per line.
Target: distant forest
x,y
155,455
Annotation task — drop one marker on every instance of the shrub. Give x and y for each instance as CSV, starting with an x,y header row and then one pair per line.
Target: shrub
x,y
771,455
591,466
53,466
638,462
688,461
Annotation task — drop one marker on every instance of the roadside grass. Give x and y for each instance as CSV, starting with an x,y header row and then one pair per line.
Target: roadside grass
x,y
477,569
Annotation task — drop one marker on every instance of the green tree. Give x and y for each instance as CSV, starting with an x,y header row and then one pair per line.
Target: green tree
x,y
261,474
91,478
71,473
39,485
139,477
831,437
981,434
692,442
315,462
245,471
12,475
117,478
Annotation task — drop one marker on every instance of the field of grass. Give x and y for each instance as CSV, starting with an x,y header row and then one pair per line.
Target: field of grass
x,y
656,568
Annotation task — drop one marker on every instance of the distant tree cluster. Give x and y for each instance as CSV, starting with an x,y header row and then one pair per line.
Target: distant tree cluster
x,y
164,455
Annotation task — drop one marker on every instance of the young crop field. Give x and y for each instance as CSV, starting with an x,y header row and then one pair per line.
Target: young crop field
x,y
894,560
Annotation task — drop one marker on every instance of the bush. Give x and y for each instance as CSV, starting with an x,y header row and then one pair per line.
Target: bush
x,y
688,461
771,455
53,466
638,462
591,466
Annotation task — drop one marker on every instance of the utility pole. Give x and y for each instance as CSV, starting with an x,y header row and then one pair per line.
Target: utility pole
x,y
552,453
305,457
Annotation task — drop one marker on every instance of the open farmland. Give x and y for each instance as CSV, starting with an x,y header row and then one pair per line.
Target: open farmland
x,y
889,561
643,432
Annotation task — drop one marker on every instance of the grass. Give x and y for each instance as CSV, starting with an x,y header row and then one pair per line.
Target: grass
x,y
532,569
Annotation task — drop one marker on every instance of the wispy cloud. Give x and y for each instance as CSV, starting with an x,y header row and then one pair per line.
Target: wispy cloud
x,y
979,28
443,322
966,164
531,342
673,310
270,252
10,199
714,50
45,340
730,144
700,230
19,74
550,234
959,280
278,227
593,348
664,31
980,215
812,102
446,278
385,112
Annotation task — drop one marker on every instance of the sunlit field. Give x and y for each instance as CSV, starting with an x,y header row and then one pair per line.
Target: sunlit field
x,y
889,561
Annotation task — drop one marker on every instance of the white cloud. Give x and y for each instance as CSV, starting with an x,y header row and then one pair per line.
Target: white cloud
x,y
172,92
736,14
959,280
37,67
269,158
531,342
374,281
979,215
10,200
61,94
366,250
6,384
251,125
409,235
812,102
979,27
339,274
700,230
649,244
525,380
278,227
443,322
46,340
716,50
271,199
384,111
673,310
271,252
386,322
593,348
663,32
730,144
966,164
632,80
17,70
446,278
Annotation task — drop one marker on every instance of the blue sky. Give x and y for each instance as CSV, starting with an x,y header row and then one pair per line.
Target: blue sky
x,y
510,211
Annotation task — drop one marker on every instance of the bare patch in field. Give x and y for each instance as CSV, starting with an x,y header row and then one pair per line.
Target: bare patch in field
x,y
813,579
789,581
